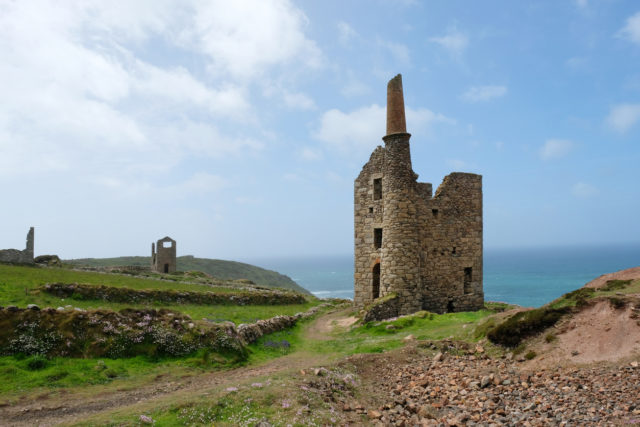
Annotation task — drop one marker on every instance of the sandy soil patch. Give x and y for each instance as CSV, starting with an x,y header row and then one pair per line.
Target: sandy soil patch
x,y
597,333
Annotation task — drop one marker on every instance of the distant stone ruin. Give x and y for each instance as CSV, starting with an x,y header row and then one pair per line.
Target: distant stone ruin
x,y
17,256
420,251
164,259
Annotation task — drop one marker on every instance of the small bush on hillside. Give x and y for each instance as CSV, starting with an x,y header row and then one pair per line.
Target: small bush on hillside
x,y
524,324
530,355
614,285
617,303
550,338
35,363
578,294
483,328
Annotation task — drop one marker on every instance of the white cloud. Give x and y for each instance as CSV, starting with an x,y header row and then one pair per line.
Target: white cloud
x,y
199,184
623,117
310,154
457,164
242,39
362,129
299,101
78,95
346,33
583,190
576,62
555,148
631,31
355,88
399,52
484,93
454,41
582,4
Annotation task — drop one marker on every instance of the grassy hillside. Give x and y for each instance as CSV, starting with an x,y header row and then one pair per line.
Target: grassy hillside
x,y
21,285
220,269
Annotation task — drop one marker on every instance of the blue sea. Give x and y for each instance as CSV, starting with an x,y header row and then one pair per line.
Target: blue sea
x,y
527,277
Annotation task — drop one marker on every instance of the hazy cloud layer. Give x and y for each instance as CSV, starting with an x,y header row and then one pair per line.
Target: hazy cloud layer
x,y
623,117
361,130
484,93
555,149
454,41
631,30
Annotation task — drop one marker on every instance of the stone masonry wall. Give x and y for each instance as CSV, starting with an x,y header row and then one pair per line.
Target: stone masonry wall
x,y
163,259
451,250
17,256
430,251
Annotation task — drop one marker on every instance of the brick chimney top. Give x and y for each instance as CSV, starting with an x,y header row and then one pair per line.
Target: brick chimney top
x,y
396,122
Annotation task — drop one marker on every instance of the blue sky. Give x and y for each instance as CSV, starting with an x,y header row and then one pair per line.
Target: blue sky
x,y
237,128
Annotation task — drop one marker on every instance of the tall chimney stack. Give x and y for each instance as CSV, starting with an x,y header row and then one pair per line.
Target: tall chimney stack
x,y
396,122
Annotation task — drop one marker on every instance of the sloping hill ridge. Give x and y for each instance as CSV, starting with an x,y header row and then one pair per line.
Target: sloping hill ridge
x,y
220,269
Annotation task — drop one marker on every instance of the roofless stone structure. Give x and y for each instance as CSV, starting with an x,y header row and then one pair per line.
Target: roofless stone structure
x,y
424,248
163,256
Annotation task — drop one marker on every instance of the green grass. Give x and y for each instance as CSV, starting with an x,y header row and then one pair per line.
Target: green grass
x,y
277,344
374,337
226,270
582,295
18,287
18,375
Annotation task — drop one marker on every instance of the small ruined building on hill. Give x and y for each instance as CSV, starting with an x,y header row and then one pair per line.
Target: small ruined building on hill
x,y
163,256
17,256
426,249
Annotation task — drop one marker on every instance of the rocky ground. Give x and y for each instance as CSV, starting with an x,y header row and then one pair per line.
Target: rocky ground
x,y
465,387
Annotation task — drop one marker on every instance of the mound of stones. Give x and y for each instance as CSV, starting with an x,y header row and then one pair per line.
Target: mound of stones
x,y
469,388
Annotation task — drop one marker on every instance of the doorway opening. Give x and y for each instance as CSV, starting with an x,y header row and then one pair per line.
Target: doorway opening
x,y
375,281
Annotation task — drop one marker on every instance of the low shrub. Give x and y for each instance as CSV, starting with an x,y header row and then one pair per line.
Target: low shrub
x,y
530,355
617,303
615,285
550,338
483,328
35,363
524,324
578,294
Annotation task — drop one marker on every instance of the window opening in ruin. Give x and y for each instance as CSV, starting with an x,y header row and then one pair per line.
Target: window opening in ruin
x,y
450,306
166,268
377,238
434,212
375,281
370,210
467,280
167,244
453,252
377,189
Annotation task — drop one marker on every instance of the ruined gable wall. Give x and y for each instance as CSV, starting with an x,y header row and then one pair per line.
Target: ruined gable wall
x,y
367,216
451,241
165,256
20,257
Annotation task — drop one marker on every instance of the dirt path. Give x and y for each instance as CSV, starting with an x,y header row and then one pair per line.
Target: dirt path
x,y
74,405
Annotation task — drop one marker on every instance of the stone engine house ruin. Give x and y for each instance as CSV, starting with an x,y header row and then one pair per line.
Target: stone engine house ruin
x,y
424,248
17,256
164,259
